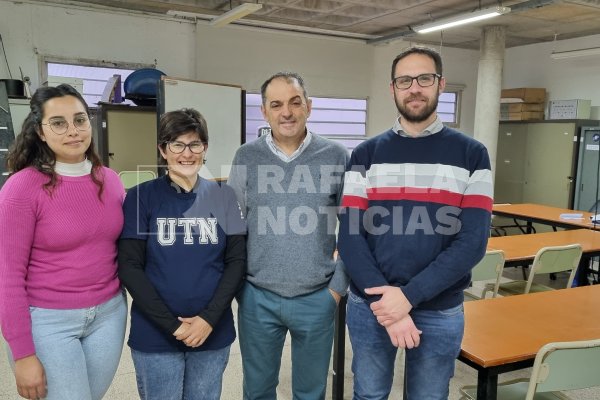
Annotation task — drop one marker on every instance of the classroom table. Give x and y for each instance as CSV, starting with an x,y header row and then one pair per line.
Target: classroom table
x,y
504,334
546,215
521,249
518,249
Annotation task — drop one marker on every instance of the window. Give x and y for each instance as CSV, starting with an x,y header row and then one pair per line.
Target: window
x,y
340,119
449,105
94,79
93,73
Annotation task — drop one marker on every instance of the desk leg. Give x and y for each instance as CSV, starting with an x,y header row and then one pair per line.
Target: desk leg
x,y
487,385
339,351
582,271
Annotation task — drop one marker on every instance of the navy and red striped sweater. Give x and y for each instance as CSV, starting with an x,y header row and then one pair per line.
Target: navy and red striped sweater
x,y
416,214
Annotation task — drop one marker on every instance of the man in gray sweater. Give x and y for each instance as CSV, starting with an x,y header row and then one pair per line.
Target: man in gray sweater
x,y
289,184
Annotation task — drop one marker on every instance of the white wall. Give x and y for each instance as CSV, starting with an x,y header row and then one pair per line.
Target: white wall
x,y
247,57
31,30
573,78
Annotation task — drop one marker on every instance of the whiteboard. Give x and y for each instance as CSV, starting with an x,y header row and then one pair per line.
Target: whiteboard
x,y
222,107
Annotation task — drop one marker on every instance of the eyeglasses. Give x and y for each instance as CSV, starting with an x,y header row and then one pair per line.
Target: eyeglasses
x,y
424,80
179,147
60,125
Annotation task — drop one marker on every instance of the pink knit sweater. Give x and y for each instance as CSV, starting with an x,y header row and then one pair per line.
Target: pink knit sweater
x,y
56,251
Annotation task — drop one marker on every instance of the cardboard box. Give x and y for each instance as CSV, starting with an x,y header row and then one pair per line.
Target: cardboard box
x,y
522,116
569,109
520,107
526,95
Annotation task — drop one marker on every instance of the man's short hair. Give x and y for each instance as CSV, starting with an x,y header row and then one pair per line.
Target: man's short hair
x,y
426,51
289,77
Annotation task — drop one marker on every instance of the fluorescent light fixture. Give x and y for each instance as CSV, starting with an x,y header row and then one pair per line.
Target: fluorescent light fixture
x,y
461,19
560,55
235,13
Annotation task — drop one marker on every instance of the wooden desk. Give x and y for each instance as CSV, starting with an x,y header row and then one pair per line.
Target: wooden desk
x,y
518,249
522,248
546,215
504,334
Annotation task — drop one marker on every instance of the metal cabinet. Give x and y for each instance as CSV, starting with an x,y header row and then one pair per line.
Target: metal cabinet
x,y
536,162
587,191
127,137
510,163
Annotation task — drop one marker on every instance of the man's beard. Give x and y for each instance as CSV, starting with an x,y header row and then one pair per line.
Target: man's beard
x,y
418,116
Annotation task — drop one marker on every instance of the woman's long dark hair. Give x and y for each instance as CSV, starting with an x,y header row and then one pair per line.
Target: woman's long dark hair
x,y
29,150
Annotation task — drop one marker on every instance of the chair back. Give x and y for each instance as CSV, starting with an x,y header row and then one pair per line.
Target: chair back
x,y
565,366
490,267
555,259
133,178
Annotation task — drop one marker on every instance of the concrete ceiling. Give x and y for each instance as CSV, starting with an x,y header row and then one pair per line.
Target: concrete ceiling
x,y
376,21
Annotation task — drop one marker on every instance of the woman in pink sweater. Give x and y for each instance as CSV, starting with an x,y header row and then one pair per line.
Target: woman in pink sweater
x,y
62,311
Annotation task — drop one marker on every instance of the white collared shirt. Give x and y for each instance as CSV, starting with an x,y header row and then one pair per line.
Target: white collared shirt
x,y
434,127
281,154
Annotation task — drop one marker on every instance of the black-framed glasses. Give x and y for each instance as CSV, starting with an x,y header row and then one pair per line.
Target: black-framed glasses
x,y
60,126
179,147
424,80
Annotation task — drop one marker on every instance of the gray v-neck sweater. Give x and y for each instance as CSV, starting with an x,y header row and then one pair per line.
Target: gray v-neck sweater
x,y
291,210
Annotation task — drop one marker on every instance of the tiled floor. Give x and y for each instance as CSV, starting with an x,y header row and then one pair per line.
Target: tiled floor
x,y
124,387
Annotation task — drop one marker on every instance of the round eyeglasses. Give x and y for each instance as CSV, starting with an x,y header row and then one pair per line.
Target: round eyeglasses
x,y
424,80
179,147
60,125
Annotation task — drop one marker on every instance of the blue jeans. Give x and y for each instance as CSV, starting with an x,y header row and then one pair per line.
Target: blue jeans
x,y
80,348
264,319
193,375
428,368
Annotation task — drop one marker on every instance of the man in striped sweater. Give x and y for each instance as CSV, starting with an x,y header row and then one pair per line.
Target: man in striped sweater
x,y
414,220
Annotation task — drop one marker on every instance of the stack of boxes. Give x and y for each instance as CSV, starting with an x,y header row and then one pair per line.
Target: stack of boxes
x,y
522,104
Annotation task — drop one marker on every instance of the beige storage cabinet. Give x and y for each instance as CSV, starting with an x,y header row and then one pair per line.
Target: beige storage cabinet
x,y
536,162
549,166
127,137
510,163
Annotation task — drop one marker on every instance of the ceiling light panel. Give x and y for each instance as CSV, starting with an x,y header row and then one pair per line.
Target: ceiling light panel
x,y
461,19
